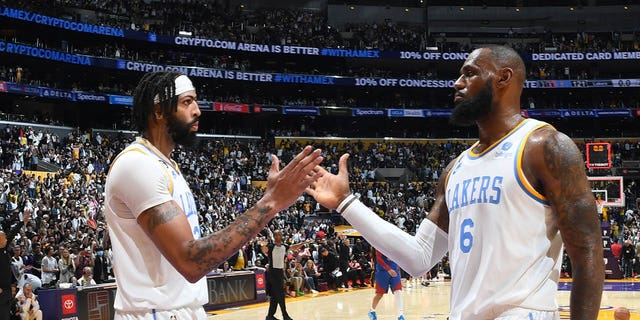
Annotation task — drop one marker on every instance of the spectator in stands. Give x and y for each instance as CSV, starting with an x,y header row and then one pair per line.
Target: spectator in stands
x,y
83,259
28,302
17,265
355,272
67,267
34,263
309,282
488,95
344,251
87,278
100,266
329,267
294,280
49,268
311,271
155,226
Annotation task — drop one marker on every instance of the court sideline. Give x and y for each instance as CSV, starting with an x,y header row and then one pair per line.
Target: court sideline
x,y
420,302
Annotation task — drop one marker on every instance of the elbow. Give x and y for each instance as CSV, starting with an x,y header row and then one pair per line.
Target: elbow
x,y
414,264
190,272
193,278
191,275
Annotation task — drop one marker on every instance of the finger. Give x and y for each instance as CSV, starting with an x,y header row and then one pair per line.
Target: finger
x,y
342,165
275,164
314,175
307,162
306,151
311,171
310,192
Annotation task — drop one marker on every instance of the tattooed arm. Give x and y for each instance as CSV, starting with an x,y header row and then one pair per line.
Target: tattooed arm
x,y
554,165
168,227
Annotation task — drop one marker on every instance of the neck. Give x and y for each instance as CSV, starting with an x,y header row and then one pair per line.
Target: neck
x,y
493,129
160,140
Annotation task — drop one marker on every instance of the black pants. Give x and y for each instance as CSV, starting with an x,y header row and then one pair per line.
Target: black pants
x,y
5,304
275,281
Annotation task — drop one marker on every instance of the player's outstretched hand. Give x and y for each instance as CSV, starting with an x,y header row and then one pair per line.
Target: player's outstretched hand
x,y
286,185
330,189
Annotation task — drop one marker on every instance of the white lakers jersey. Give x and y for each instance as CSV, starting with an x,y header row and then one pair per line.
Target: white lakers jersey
x,y
505,253
141,177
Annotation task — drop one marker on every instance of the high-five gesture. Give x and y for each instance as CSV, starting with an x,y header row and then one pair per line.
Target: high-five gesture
x,y
285,186
330,189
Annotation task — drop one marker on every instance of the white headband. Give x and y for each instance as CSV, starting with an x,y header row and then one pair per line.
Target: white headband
x,y
182,83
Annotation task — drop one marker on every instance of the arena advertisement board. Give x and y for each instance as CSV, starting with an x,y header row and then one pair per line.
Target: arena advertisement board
x,y
57,94
231,288
121,100
20,49
303,111
368,112
69,305
231,107
261,109
90,97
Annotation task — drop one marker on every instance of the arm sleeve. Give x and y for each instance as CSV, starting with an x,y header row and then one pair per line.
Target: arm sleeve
x,y
417,254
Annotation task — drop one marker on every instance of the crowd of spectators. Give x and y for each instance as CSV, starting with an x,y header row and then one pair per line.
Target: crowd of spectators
x,y
216,20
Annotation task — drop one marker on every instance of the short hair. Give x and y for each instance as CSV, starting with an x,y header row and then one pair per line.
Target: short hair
x,y
505,56
160,84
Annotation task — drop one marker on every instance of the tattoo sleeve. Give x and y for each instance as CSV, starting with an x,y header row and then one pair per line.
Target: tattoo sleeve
x,y
162,217
568,191
209,252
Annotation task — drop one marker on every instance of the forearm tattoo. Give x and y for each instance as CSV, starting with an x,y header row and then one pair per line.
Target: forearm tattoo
x,y
209,252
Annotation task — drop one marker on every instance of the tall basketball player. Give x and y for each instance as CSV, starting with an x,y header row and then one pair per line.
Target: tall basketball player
x,y
503,207
160,259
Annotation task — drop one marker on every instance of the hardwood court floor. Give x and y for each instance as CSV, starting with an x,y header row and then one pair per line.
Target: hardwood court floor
x,y
420,303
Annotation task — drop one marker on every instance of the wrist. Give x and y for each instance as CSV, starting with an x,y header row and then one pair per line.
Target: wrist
x,y
345,203
266,206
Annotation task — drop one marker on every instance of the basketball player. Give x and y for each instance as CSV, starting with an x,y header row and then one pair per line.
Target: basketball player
x,y
503,207
387,277
160,259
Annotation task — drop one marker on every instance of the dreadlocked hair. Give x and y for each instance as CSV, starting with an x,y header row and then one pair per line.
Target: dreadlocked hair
x,y
161,84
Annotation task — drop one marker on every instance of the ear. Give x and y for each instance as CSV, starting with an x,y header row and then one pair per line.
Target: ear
x,y
157,112
504,77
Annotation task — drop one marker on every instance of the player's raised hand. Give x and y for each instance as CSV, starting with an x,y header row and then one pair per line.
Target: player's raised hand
x,y
330,189
286,185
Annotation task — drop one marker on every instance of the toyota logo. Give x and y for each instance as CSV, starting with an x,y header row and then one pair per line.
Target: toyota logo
x,y
68,304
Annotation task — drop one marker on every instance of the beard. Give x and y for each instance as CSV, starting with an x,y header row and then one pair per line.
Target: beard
x,y
468,111
181,131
